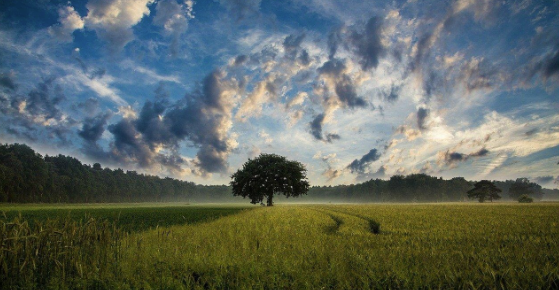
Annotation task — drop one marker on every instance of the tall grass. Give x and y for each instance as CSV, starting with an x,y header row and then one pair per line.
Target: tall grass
x,y
60,253
450,246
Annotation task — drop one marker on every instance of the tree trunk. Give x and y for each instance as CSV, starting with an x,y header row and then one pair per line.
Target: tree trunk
x,y
270,197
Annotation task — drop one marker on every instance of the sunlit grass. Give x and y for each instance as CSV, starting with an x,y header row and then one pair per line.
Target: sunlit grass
x,y
338,247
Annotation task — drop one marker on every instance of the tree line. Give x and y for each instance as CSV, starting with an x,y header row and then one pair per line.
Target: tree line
x,y
26,176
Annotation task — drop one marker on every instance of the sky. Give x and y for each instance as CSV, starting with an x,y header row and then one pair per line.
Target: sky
x,y
354,90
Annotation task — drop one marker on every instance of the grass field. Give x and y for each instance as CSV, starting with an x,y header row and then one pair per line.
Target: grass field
x,y
406,246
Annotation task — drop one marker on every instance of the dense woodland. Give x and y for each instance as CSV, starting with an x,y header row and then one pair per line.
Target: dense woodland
x,y
26,176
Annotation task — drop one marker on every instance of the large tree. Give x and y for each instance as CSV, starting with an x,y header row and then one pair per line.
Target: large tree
x,y
484,190
269,175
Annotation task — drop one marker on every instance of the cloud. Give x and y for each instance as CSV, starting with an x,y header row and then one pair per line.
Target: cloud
x,y
368,46
241,9
410,133
451,158
152,136
316,130
297,100
7,80
482,152
543,179
69,21
477,74
291,45
173,18
422,115
128,146
93,128
88,107
392,94
113,20
335,37
334,73
359,165
42,102
36,115
316,126
239,60
551,64
329,172
265,91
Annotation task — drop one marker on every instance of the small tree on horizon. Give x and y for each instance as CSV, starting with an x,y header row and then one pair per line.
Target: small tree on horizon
x,y
483,190
268,175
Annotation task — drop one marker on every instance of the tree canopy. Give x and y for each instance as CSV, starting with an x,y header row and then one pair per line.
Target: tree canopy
x,y
523,186
484,190
267,175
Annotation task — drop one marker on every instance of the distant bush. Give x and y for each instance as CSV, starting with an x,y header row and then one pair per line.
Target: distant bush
x,y
525,199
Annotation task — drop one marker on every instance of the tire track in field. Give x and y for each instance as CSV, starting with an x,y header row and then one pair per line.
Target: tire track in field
x,y
373,226
335,228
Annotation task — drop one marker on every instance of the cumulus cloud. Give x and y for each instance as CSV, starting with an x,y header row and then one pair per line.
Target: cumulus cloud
x,y
113,20
339,84
360,165
316,130
69,21
173,18
265,91
24,114
202,117
93,128
368,46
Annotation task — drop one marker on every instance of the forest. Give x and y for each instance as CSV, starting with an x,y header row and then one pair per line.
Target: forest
x,y
28,177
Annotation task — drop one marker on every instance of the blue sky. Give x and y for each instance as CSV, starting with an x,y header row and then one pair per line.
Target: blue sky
x,y
353,89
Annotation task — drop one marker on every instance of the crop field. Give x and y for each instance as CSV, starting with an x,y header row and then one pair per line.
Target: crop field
x,y
377,246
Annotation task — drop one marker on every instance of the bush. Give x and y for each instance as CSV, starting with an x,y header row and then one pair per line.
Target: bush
x,y
525,199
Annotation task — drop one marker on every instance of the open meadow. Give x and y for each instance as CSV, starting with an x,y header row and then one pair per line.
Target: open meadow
x,y
374,246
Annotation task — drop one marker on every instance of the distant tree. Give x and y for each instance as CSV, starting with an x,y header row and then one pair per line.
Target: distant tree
x,y
523,186
483,190
525,199
268,175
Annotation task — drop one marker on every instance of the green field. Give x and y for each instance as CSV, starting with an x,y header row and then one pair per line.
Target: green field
x,y
407,246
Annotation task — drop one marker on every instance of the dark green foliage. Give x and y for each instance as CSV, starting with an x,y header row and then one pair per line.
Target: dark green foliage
x,y
25,176
525,199
414,187
484,190
523,186
128,218
267,175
